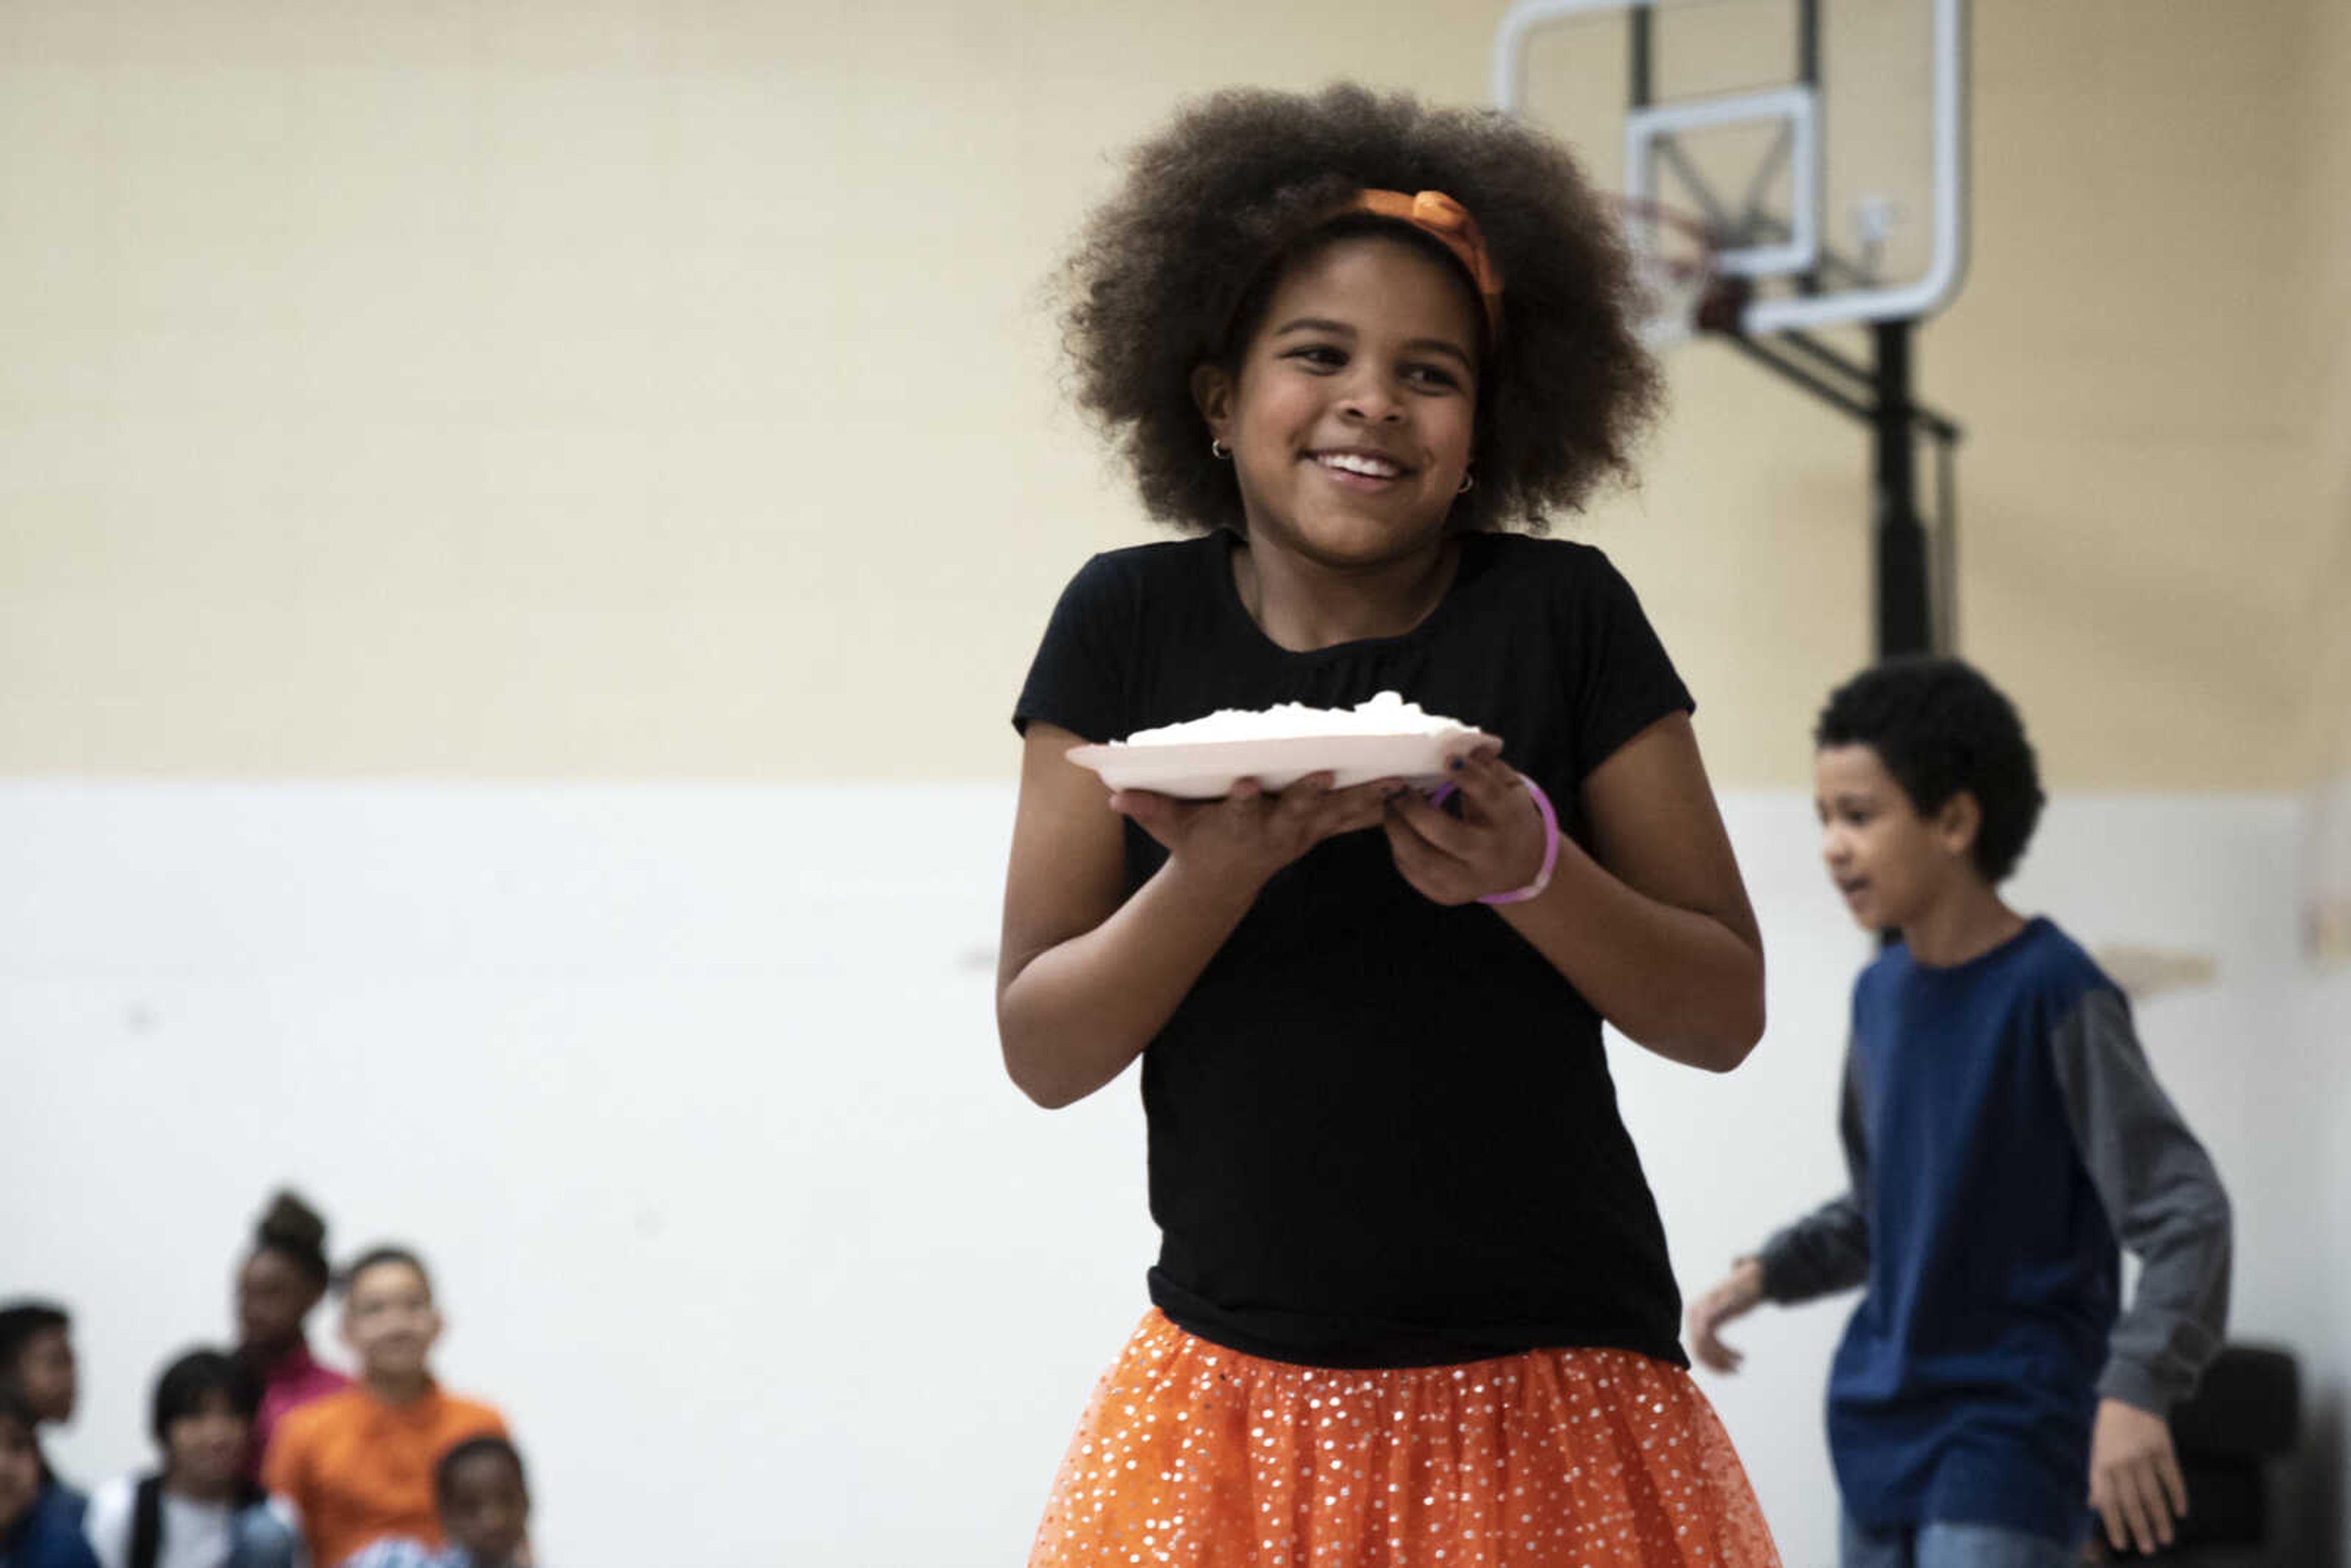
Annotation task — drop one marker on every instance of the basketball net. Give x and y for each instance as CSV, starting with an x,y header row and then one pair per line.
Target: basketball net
x,y
1673,272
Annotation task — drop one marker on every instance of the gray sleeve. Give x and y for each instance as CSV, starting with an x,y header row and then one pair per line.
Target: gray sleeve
x,y
2161,1196
1828,1250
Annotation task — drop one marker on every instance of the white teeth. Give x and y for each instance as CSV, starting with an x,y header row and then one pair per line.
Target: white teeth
x,y
1372,467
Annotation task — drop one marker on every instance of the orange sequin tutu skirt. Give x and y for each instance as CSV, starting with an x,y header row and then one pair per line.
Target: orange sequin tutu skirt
x,y
1199,1456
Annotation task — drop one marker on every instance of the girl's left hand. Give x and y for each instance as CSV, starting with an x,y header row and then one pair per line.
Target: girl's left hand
x,y
1496,846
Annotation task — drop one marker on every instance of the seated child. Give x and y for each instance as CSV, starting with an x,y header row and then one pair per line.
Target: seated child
x,y
280,1281
200,1510
2005,1138
36,1360
357,1466
485,1500
39,1527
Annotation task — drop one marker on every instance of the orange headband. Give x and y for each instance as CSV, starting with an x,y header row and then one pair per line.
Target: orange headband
x,y
1449,223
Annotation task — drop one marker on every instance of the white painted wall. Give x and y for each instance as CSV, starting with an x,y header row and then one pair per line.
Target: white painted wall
x,y
2324,1029
691,1095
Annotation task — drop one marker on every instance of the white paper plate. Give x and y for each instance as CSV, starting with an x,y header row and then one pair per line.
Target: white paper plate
x,y
1207,770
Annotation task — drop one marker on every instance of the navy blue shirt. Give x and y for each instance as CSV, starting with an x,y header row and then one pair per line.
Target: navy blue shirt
x,y
2005,1134
49,1535
1966,1385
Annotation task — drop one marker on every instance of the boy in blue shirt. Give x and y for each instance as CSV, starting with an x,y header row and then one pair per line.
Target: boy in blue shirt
x,y
39,1526
2005,1134
38,1366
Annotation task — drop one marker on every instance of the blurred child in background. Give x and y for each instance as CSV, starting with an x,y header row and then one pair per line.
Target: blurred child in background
x,y
281,1281
2005,1136
484,1496
357,1466
200,1510
39,1527
36,1361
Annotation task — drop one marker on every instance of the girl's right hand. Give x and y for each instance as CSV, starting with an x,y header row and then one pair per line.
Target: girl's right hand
x,y
1251,834
1740,1294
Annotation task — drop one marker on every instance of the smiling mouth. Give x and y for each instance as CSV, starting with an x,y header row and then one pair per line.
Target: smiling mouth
x,y
1360,466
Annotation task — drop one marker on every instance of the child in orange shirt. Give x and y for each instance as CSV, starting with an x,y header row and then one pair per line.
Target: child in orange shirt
x,y
357,1466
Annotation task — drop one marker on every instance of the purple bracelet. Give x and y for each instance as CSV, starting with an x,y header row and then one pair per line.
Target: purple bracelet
x,y
1550,843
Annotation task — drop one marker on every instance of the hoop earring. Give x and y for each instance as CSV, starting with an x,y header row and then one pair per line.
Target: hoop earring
x,y
1469,483
1219,450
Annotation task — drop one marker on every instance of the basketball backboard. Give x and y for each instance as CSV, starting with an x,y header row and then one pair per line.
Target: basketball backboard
x,y
1820,145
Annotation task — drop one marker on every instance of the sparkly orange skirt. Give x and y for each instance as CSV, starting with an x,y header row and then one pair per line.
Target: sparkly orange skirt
x,y
1199,1456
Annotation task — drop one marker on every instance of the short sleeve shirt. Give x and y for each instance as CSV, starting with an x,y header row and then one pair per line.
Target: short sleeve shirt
x,y
357,1470
297,1380
1382,1132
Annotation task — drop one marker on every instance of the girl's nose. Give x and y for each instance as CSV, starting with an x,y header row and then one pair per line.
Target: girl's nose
x,y
1370,397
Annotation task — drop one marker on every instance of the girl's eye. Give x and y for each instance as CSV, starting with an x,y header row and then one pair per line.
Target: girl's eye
x,y
1321,356
1431,376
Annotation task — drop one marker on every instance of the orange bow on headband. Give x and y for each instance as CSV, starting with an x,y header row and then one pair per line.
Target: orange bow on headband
x,y
1449,223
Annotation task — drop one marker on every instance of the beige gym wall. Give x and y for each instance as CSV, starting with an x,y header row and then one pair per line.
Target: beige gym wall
x,y
2324,290
627,390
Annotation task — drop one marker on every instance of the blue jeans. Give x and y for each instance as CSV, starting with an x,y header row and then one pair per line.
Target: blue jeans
x,y
1938,1545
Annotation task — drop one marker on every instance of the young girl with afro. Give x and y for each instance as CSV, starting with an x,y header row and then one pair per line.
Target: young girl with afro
x,y
1411,1305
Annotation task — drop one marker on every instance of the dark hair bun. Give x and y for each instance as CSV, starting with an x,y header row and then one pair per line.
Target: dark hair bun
x,y
292,1229
291,1224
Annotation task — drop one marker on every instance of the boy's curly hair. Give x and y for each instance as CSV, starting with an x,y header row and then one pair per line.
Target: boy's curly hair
x,y
1174,271
1940,728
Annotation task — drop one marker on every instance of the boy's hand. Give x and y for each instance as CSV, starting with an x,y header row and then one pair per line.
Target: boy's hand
x,y
1740,1294
1250,834
2135,1479
1496,846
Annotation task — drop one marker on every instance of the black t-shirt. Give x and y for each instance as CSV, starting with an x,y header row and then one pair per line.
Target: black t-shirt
x,y
1383,1131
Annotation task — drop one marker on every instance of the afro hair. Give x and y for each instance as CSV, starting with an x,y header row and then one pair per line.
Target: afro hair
x,y
1174,271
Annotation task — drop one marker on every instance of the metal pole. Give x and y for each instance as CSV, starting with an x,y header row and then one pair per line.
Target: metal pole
x,y
1947,549
1640,87
1904,612
1808,71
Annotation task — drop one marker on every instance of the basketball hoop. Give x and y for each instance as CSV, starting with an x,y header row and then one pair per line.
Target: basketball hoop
x,y
1681,291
